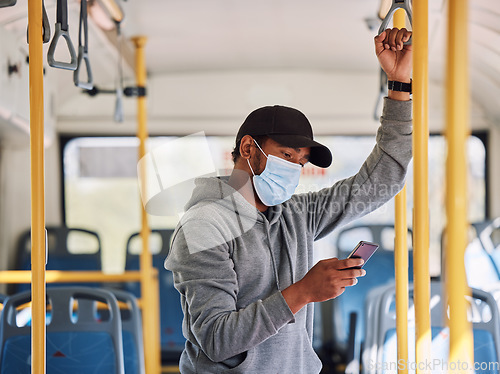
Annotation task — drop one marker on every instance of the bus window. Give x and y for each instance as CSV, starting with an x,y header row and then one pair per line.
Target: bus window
x,y
101,188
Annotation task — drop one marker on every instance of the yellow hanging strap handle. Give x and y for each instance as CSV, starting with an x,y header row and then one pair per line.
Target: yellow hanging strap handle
x,y
83,50
61,29
397,4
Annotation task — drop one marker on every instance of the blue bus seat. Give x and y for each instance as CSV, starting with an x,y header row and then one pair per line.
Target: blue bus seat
x,y
133,346
372,313
483,313
480,267
488,233
77,341
484,351
2,301
68,249
171,315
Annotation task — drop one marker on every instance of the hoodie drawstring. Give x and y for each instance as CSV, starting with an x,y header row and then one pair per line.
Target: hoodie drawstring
x,y
285,245
273,260
287,249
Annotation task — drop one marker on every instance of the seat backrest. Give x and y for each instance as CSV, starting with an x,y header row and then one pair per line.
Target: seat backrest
x,y
488,233
479,267
68,249
133,346
2,301
379,272
372,311
483,313
78,342
171,315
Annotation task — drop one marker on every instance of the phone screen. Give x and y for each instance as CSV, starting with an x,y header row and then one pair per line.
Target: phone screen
x,y
363,250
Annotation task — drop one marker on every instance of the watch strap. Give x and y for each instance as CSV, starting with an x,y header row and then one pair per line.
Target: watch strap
x,y
399,86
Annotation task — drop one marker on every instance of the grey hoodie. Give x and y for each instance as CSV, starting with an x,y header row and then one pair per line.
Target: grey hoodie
x,y
231,262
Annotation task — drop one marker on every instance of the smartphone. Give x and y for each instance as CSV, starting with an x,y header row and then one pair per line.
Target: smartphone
x,y
363,250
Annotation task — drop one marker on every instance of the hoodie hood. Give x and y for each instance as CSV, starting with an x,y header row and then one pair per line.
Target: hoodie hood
x,y
216,190
214,198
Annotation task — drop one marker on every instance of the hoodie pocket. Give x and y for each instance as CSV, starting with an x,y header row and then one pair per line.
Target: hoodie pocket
x,y
289,351
239,363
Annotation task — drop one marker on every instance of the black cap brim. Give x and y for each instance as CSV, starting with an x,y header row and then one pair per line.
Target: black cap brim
x,y
320,154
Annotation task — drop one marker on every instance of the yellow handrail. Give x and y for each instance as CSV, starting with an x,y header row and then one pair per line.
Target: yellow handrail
x,y
37,186
157,322
57,276
401,255
421,189
148,291
457,114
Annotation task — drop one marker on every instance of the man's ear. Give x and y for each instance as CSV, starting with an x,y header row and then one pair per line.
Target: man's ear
x,y
246,146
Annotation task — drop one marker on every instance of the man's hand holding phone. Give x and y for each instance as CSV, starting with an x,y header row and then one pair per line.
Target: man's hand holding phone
x,y
328,278
324,281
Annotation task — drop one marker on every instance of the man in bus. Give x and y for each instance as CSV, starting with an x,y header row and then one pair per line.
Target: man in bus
x,y
242,255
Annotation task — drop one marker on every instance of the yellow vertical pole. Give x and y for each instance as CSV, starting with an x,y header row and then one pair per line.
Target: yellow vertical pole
x,y
37,187
457,114
149,311
401,279
401,255
421,186
157,322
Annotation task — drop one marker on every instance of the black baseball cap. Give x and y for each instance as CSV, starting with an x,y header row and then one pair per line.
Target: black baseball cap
x,y
287,126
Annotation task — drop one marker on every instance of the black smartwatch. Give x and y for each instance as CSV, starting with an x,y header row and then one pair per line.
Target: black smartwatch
x,y
399,86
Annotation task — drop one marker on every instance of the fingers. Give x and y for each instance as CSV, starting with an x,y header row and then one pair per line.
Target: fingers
x,y
345,272
329,278
379,42
392,39
402,36
353,273
350,270
347,282
406,35
392,43
380,37
350,267
350,263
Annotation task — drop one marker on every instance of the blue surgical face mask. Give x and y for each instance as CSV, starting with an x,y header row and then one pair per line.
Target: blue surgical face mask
x,y
277,183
